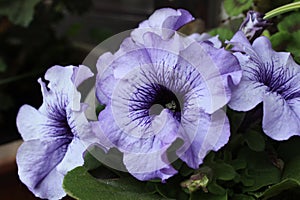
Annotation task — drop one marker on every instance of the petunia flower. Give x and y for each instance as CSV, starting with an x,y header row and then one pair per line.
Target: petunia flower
x,y
163,22
160,90
271,78
56,135
254,25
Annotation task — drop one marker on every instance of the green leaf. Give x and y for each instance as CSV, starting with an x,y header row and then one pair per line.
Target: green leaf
x,y
216,189
207,196
224,33
90,161
79,184
291,169
236,7
242,197
287,39
284,41
260,170
280,40
19,12
255,140
287,184
223,171
128,184
238,164
95,157
290,23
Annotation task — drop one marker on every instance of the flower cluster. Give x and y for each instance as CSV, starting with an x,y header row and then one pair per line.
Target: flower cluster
x,y
159,89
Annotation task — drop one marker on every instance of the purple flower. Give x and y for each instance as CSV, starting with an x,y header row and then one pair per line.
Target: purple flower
x,y
205,37
254,25
163,22
56,135
160,89
272,78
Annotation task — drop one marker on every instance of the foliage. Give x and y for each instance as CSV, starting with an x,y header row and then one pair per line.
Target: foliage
x,y
236,7
251,166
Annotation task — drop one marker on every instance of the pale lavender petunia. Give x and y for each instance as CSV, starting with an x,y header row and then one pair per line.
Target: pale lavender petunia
x,y
272,78
163,22
56,135
159,88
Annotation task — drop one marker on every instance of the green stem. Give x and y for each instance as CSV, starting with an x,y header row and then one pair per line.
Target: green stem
x,y
282,9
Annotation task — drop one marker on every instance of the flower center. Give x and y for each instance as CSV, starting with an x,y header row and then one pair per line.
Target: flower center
x,y
165,98
59,121
278,80
151,99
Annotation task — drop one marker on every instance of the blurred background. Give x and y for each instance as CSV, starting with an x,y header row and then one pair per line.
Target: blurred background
x,y
37,34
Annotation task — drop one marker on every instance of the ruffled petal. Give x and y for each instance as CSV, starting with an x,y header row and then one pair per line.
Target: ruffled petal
x,y
202,135
59,93
240,43
31,123
280,122
80,74
105,80
148,144
51,186
163,22
263,49
205,37
36,160
247,95
295,105
218,70
149,166
102,140
73,157
152,152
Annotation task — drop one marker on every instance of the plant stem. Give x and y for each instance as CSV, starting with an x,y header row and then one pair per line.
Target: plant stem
x,y
282,9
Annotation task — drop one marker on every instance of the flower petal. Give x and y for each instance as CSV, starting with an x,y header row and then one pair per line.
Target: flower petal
x,y
152,152
149,145
163,22
105,80
240,43
205,37
149,166
280,122
51,186
263,49
73,157
60,91
80,74
247,95
215,67
202,134
36,161
30,123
